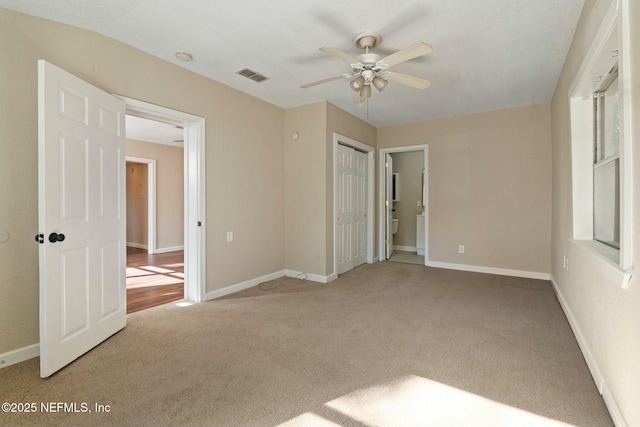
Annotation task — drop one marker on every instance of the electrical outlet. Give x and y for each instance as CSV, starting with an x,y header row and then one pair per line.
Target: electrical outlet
x,y
565,262
418,203
461,249
229,236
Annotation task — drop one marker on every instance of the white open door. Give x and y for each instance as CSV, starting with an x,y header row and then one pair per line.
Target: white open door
x,y
81,207
388,205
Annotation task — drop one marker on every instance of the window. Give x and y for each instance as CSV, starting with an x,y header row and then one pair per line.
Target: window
x,y
601,143
606,161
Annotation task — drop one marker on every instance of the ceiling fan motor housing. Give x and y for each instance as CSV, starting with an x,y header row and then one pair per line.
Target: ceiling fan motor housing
x,y
369,59
367,39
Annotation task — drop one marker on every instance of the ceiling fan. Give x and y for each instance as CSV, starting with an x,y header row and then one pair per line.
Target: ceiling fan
x,y
370,69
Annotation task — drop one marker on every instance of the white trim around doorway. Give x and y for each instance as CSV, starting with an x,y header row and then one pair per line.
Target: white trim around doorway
x,y
381,187
194,189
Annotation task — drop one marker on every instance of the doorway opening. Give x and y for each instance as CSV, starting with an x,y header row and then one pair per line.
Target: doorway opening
x,y
177,261
155,213
403,206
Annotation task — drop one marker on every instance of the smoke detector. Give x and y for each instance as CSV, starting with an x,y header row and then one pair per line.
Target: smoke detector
x,y
184,56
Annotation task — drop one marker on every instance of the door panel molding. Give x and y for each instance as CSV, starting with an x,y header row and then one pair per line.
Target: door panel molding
x,y
80,211
369,225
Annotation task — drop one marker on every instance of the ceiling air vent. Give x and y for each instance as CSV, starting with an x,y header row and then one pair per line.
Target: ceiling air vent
x,y
253,75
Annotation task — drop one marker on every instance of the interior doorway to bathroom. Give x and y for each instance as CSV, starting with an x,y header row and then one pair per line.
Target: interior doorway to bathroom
x,y
404,207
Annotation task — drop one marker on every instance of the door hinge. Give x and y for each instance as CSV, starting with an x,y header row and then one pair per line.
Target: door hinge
x,y
40,238
199,223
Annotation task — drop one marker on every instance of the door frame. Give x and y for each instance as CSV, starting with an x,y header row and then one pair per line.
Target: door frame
x,y
370,151
381,185
151,200
194,189
388,197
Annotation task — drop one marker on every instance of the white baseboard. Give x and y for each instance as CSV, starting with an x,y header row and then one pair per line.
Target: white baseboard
x,y
20,355
405,248
310,276
490,270
588,356
170,249
137,245
242,286
596,373
612,406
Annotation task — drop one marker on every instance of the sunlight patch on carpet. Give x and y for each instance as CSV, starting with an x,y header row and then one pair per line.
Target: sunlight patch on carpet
x,y
309,419
417,401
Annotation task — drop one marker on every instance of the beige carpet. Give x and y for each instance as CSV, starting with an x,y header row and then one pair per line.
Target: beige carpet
x,y
407,257
386,344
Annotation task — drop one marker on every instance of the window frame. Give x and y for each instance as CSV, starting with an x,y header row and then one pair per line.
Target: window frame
x,y
610,45
601,158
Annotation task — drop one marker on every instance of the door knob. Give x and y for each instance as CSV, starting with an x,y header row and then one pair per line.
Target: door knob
x,y
55,237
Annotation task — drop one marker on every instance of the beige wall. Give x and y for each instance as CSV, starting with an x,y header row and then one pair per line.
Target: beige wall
x,y
308,182
169,190
606,316
489,186
408,166
137,204
244,158
304,188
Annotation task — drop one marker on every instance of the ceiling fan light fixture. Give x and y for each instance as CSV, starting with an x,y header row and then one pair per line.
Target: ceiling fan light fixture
x,y
370,69
379,83
366,92
357,84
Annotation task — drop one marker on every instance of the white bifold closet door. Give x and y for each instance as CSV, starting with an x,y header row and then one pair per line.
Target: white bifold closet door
x,y
351,208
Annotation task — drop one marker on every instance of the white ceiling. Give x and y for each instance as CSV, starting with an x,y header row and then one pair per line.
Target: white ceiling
x,y
487,54
152,131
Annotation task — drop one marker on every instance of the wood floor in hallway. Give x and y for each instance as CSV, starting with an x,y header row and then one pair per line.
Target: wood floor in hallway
x,y
153,279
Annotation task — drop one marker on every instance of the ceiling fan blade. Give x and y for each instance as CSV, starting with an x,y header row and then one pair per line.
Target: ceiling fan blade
x,y
328,79
340,54
411,52
408,80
